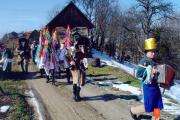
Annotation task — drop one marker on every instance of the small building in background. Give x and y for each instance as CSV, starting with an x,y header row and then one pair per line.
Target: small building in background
x,y
70,16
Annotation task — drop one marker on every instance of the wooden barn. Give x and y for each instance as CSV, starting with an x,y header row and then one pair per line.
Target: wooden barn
x,y
78,23
70,16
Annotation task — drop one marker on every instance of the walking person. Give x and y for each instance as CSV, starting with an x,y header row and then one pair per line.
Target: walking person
x,y
148,74
33,51
24,53
78,72
63,63
6,60
50,63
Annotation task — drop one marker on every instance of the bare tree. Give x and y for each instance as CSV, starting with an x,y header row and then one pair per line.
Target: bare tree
x,y
103,11
152,12
128,39
57,9
88,7
53,12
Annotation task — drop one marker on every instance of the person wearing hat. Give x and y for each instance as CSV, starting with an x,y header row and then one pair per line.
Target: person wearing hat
x,y
148,74
24,52
77,68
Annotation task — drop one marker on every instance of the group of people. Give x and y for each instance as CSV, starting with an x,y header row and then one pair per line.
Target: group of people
x,y
6,54
54,56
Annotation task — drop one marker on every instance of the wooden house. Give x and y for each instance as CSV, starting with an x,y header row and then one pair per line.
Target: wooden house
x,y
70,16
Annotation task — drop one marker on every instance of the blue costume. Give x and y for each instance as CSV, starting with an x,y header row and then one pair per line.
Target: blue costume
x,y
151,91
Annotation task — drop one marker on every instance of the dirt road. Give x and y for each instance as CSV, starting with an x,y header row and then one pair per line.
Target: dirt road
x,y
97,103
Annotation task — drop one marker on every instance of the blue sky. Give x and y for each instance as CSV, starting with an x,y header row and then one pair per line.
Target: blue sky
x,y
27,15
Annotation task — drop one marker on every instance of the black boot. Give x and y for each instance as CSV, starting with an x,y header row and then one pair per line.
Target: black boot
x,y
41,72
68,75
26,67
75,92
59,73
78,94
4,75
53,80
52,71
47,78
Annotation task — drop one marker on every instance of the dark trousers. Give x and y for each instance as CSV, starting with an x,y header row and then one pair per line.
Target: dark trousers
x,y
68,75
33,56
24,65
6,73
42,72
51,76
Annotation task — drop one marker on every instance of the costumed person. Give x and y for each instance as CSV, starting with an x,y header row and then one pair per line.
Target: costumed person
x,y
148,74
24,52
39,58
56,46
6,60
50,64
63,63
33,51
78,71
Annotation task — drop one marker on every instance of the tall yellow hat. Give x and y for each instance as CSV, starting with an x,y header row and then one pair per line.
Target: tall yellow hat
x,y
150,44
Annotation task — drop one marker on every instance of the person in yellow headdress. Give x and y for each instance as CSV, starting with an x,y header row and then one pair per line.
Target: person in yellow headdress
x,y
148,74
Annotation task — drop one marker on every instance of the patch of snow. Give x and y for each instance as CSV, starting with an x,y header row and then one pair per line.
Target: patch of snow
x,y
35,104
105,83
126,87
109,61
88,79
177,82
173,93
4,109
170,107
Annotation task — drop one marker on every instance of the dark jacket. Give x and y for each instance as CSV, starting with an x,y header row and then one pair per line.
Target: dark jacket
x,y
8,53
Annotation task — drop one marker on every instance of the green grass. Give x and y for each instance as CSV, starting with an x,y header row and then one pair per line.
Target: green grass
x,y
15,89
20,108
118,73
